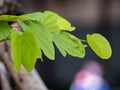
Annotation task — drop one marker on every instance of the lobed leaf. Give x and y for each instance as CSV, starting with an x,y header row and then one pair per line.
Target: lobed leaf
x,y
99,45
70,44
54,22
24,49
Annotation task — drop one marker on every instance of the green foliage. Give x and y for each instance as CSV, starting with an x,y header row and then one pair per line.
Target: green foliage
x,y
54,22
69,43
10,18
33,16
24,49
99,45
4,30
43,37
40,31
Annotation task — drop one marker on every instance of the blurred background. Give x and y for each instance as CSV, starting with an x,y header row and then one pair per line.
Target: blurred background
x,y
88,16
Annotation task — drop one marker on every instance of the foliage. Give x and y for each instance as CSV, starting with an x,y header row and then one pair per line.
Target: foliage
x,y
40,31
99,45
24,48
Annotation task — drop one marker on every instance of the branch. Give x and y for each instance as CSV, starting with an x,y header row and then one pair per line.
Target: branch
x,y
9,65
23,80
4,82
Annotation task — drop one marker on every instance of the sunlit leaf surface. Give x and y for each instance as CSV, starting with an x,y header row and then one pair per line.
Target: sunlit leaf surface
x,y
24,50
43,37
54,22
67,43
100,45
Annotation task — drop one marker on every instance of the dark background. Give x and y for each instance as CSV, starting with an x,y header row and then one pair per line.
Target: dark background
x,y
88,16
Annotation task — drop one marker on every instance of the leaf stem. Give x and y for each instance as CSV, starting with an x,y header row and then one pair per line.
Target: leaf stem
x,y
83,40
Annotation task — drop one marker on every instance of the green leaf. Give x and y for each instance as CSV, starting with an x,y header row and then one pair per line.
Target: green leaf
x,y
64,24
4,30
34,16
16,50
39,55
70,44
100,45
25,28
43,37
24,49
12,18
54,22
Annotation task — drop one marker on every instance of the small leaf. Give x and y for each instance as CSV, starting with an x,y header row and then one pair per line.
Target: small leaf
x,y
99,45
69,43
4,30
24,49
